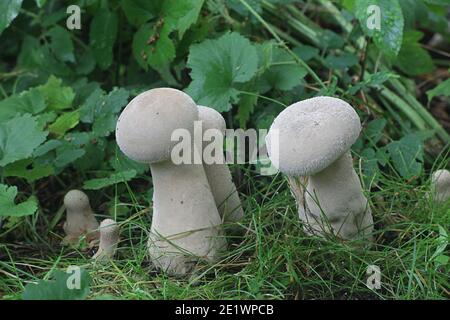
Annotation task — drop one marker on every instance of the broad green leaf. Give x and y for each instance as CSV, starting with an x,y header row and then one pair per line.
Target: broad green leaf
x,y
19,137
113,179
8,208
9,9
388,37
139,11
306,52
56,95
102,36
413,59
64,123
153,48
284,73
246,108
28,170
442,89
180,15
407,155
369,166
218,67
343,61
373,81
63,286
66,154
374,130
31,101
61,44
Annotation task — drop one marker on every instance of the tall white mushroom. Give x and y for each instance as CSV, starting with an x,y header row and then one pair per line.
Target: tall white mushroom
x,y
109,238
80,219
440,185
314,137
218,174
185,225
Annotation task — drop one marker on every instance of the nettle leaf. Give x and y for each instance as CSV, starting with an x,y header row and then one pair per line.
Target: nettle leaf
x,y
374,80
61,44
31,101
56,95
442,89
374,130
7,206
413,59
8,12
388,37
284,72
407,155
102,36
18,138
62,287
218,66
113,179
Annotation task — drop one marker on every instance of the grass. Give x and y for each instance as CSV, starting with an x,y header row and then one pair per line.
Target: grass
x,y
273,260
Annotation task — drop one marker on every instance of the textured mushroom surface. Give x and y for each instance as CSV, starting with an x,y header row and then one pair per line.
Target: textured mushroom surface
x,y
313,138
218,174
80,219
185,223
109,238
441,185
312,134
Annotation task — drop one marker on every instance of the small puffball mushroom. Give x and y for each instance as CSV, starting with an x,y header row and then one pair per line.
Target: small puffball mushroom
x,y
80,218
109,238
218,174
440,185
186,223
314,137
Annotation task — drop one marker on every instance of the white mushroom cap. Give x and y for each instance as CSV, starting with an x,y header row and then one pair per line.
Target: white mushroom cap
x,y
211,119
313,133
76,200
145,126
108,230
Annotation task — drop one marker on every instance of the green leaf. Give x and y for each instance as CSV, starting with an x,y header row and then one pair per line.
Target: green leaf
x,y
61,44
30,101
343,61
306,52
102,36
413,59
40,3
60,288
218,66
18,138
22,169
9,10
442,89
57,96
284,72
189,16
374,130
113,179
64,123
374,80
246,108
7,206
139,11
388,38
407,155
152,48
369,166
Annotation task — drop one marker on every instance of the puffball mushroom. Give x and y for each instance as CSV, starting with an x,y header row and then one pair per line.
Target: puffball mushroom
x,y
218,174
440,183
185,225
314,137
109,238
80,218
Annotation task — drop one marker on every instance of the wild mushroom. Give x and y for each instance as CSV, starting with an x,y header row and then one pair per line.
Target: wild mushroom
x,y
440,185
313,138
185,225
218,174
109,238
80,218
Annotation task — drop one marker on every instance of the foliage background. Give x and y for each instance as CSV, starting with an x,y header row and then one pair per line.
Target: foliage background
x,y
62,91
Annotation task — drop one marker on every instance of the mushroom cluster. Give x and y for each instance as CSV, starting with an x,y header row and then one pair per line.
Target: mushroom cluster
x,y
80,219
186,222
312,138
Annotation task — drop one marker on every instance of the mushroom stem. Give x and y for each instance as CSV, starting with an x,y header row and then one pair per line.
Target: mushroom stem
x,y
335,203
185,223
440,186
